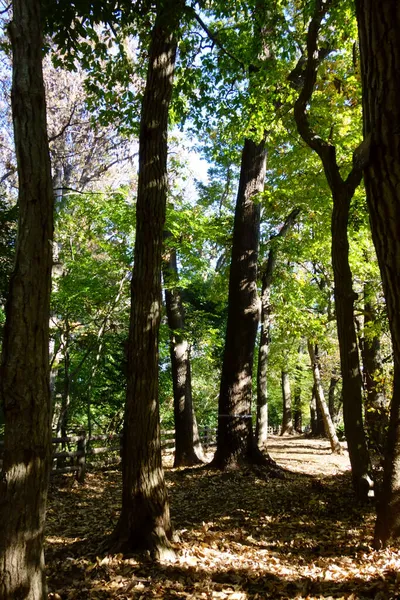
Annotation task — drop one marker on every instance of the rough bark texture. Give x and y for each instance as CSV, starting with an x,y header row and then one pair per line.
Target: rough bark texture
x,y
25,389
342,193
188,450
376,403
287,421
235,441
267,271
144,523
319,394
379,25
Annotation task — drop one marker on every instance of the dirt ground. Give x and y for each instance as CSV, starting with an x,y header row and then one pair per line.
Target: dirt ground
x,y
242,535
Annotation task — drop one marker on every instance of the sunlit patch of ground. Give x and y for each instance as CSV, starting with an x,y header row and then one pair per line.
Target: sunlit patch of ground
x,y
242,536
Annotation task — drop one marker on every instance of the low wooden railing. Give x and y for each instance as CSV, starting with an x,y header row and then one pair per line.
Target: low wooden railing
x,y
87,450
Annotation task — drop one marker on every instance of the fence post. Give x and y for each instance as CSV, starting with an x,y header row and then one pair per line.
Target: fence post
x,y
81,459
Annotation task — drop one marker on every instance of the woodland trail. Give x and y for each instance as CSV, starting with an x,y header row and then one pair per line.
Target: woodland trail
x,y
242,536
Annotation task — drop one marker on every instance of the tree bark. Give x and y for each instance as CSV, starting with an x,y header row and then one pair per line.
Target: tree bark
x,y
235,440
376,403
378,25
342,193
188,450
287,421
144,522
24,381
320,397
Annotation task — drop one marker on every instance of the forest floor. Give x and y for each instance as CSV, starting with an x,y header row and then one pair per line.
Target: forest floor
x,y
242,536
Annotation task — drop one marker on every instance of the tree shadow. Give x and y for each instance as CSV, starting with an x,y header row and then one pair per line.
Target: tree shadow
x,y
234,514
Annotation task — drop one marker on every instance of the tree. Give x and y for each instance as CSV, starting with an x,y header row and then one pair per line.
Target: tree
x,y
380,64
235,441
320,397
25,390
144,522
287,420
267,270
188,450
342,192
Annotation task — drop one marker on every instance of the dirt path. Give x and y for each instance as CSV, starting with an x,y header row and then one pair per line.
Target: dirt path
x,y
242,536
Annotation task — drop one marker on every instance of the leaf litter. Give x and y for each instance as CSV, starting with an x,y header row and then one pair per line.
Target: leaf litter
x,y
242,535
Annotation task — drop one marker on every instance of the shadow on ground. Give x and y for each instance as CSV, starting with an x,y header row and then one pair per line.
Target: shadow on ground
x,y
242,536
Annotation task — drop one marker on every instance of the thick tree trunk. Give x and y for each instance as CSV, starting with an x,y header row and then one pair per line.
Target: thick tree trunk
x,y
347,335
320,397
379,25
25,389
235,441
376,403
287,421
144,523
387,525
188,450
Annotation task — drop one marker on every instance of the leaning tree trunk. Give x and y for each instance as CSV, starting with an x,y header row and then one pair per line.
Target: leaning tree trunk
x,y
342,193
287,421
378,24
235,441
320,397
25,383
144,522
188,450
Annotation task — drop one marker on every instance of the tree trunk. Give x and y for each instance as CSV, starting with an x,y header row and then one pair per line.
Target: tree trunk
x,y
188,450
287,422
297,412
262,370
319,394
235,441
378,25
376,404
25,387
144,523
387,525
342,193
347,335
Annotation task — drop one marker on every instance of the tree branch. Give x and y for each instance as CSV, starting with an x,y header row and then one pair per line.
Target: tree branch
x,y
215,39
305,73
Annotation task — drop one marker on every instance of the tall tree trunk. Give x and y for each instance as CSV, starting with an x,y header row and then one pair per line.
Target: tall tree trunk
x,y
378,25
235,441
342,193
267,271
320,397
188,450
287,421
348,347
144,522
25,388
